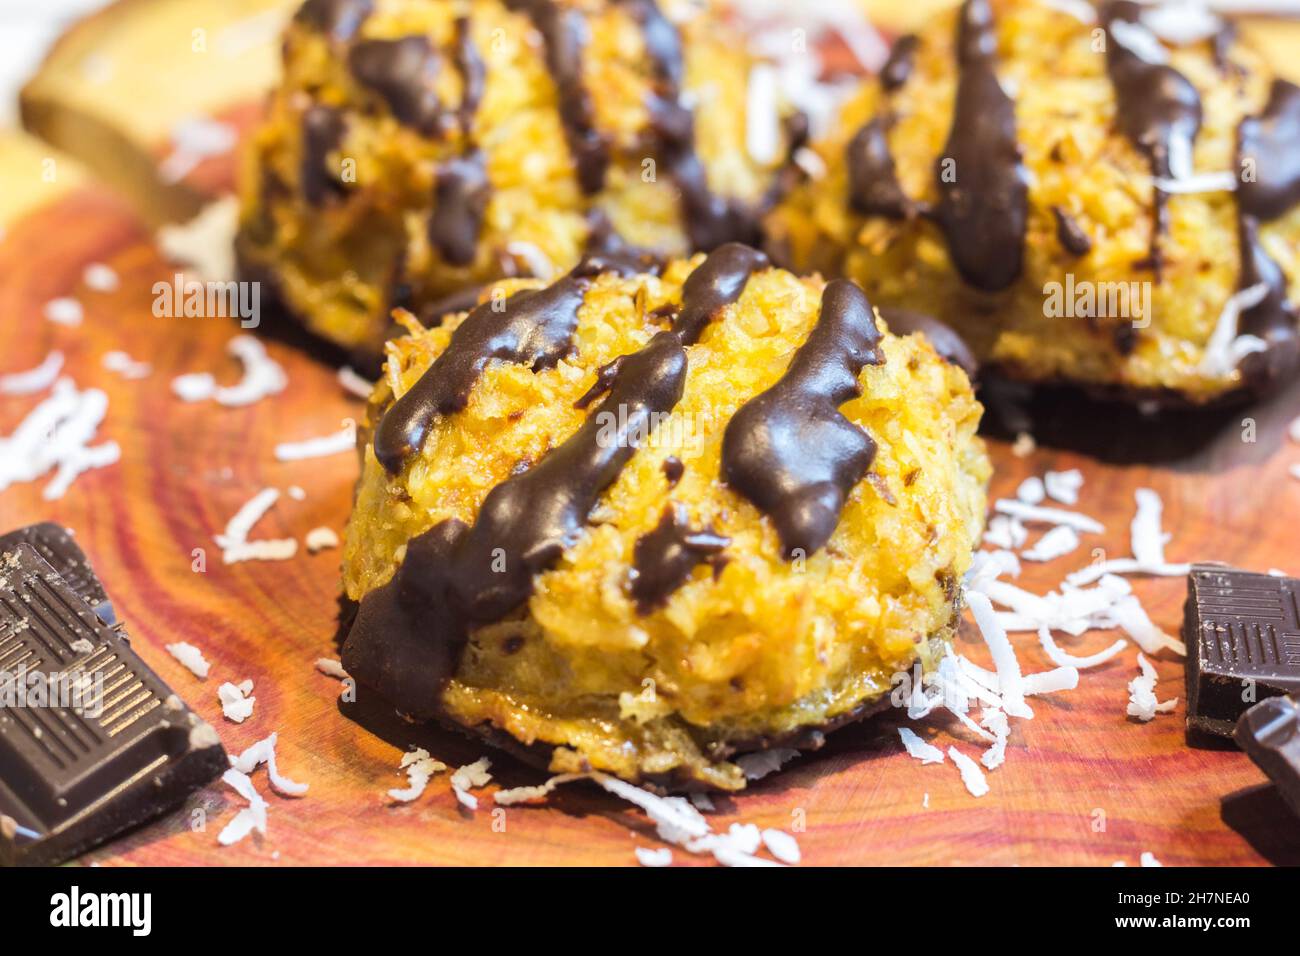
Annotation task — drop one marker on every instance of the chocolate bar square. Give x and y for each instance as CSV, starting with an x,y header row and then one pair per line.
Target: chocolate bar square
x,y
61,552
1243,636
92,742
1270,733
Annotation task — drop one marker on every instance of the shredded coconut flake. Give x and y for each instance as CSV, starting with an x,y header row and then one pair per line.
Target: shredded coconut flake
x,y
1055,516
1142,702
320,539
420,768
1226,348
99,277
64,311
354,384
1149,859
1031,491
971,774
206,242
660,857
195,139
124,365
234,543
191,658
331,668
996,722
344,440
759,764
1064,486
469,776
263,377
55,435
782,846
236,704
918,748
1055,543
250,818
1006,533
33,380
263,753
1010,681
1061,659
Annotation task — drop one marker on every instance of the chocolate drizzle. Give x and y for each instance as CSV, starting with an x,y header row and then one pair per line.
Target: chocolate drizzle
x,y
1158,110
534,328
983,188
409,634
664,558
460,200
1272,142
947,342
323,128
473,74
338,19
1070,234
564,32
874,189
898,68
710,219
789,450
402,73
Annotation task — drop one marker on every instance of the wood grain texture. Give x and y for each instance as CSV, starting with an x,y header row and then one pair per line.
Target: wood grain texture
x,y
186,469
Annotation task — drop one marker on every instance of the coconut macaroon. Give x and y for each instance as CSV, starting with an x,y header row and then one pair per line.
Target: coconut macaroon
x,y
417,150
1097,196
642,522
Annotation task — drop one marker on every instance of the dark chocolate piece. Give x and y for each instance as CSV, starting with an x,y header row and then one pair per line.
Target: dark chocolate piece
x,y
57,547
789,450
1270,733
92,742
323,128
1243,643
1070,234
898,68
460,200
1156,106
945,339
564,32
338,19
402,73
983,187
1270,142
664,558
534,328
874,189
409,634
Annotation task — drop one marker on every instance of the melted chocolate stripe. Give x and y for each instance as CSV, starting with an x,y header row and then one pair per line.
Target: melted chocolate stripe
x,y
1272,141
789,450
535,328
984,203
717,283
338,19
323,128
473,74
898,68
664,558
874,189
564,32
402,72
460,201
1156,106
408,636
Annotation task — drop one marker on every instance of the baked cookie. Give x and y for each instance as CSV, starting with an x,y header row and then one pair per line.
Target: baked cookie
x,y
1084,199
417,150
645,521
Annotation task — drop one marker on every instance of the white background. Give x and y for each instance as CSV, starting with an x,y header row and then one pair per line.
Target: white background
x,y
27,28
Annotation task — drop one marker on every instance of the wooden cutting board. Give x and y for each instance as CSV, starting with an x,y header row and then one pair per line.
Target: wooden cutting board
x,y
1082,784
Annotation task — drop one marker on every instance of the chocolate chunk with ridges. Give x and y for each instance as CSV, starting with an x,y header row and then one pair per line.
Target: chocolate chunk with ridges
x,y
409,634
1271,144
460,200
898,68
1270,733
323,128
1243,641
789,450
92,742
534,328
338,19
983,187
565,34
1070,234
57,547
1157,109
945,339
402,72
874,189
664,558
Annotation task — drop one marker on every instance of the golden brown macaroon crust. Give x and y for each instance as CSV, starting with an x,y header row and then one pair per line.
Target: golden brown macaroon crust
x,y
416,151
1003,175
653,607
